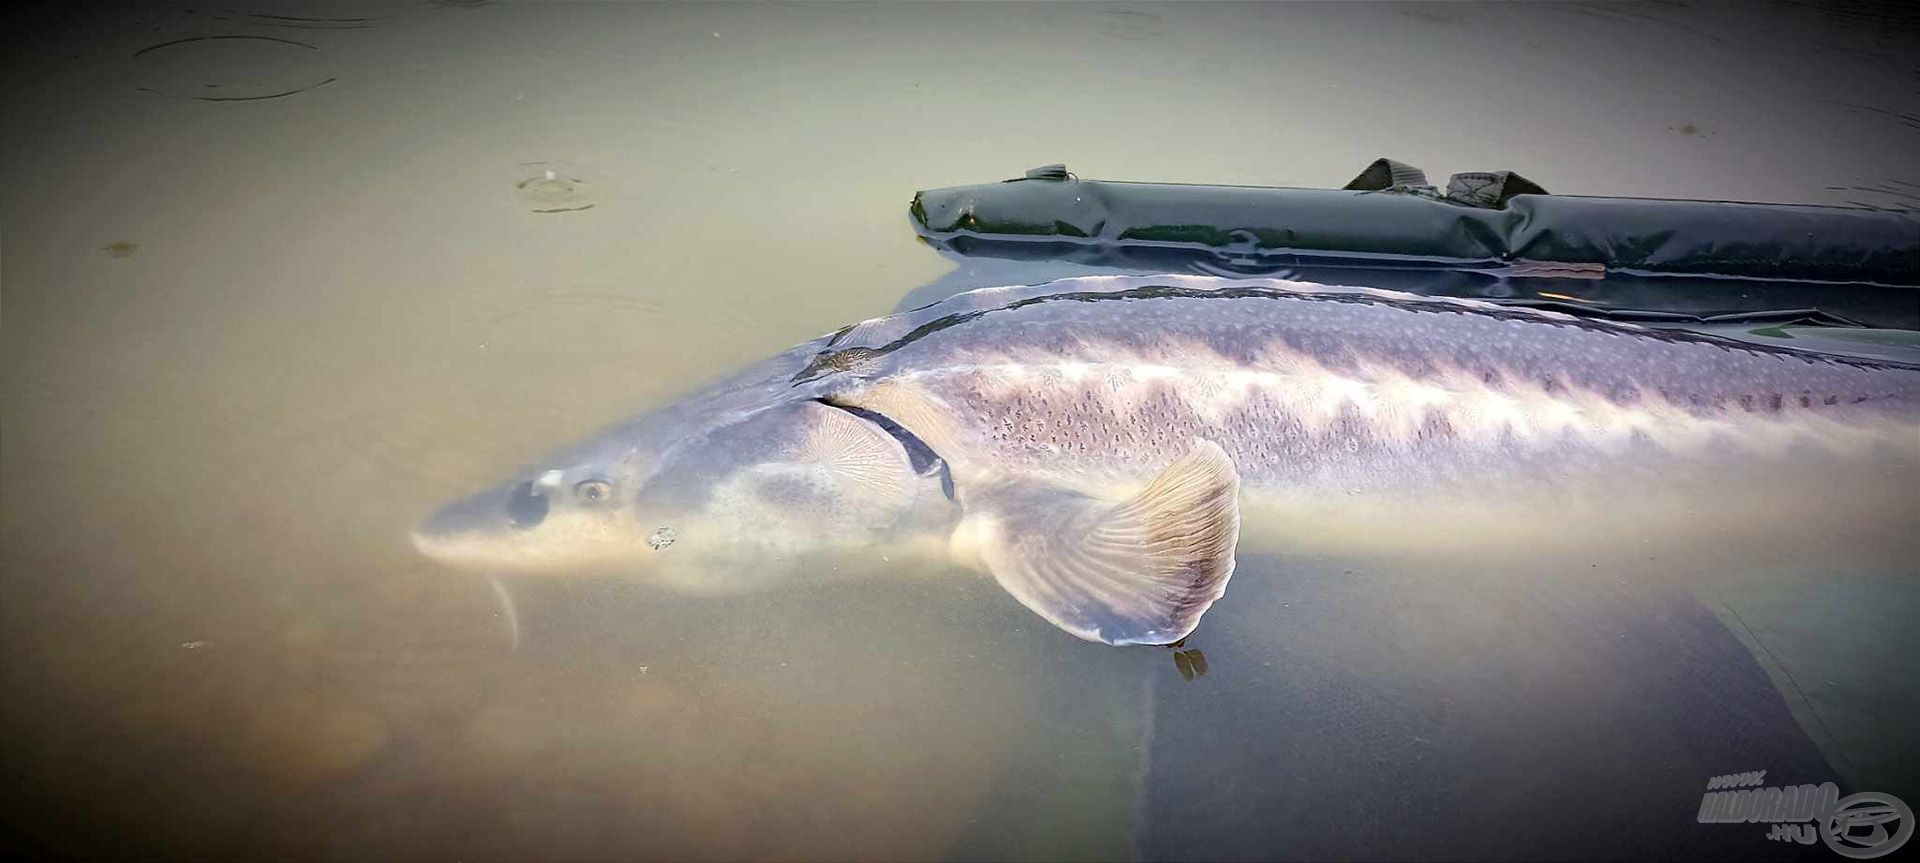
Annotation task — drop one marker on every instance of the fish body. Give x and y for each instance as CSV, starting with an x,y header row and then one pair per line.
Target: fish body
x,y
1103,445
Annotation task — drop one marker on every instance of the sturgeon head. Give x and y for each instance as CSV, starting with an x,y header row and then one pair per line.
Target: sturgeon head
x,y
750,483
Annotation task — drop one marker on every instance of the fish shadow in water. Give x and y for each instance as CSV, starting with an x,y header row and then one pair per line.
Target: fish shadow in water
x,y
1356,714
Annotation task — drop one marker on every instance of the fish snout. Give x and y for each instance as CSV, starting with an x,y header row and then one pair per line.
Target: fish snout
x,y
500,511
536,525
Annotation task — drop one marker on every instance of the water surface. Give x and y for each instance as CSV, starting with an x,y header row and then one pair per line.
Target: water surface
x,y
279,279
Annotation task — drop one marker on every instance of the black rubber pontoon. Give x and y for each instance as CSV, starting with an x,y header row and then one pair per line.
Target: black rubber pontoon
x,y
1494,235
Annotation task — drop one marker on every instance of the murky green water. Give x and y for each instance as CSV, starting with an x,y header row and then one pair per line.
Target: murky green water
x,y
268,300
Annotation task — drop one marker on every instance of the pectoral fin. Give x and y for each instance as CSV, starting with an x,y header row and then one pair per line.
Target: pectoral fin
x,y
1139,571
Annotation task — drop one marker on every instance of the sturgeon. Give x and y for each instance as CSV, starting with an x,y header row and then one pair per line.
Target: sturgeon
x,y
1103,446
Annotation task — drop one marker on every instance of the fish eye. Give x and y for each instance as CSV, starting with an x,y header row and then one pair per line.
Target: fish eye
x,y
593,490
